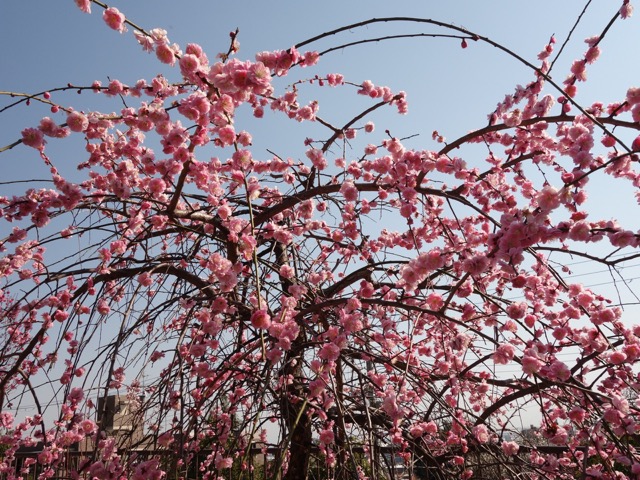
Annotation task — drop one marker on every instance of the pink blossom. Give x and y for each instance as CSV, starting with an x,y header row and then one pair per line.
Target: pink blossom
x,y
77,121
75,395
88,426
517,310
156,355
305,113
157,186
261,319
84,5
65,379
560,371
32,137
198,350
481,433
548,50
335,79
118,374
369,127
326,436
45,457
428,262
577,414
224,463
244,138
99,470
620,403
579,71
410,277
118,247
503,354
61,316
544,105
513,119
309,59
189,64
616,358
430,428
416,431
40,218
102,306
510,448
114,19
286,271
592,54
580,231
329,352
423,428
305,209
608,141
148,470
247,245
17,235
626,10
227,135
548,198
166,54
116,87
224,211
559,436
259,77
476,265
144,40
390,405
349,191
393,146
317,158
633,95
632,351
6,419
166,439
603,315
406,210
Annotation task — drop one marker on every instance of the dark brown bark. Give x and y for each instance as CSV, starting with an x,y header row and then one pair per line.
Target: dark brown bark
x,y
297,421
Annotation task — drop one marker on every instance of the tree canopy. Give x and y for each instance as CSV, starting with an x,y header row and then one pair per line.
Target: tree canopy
x,y
362,297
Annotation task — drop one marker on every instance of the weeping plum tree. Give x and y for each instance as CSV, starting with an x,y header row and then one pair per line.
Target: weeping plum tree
x,y
271,303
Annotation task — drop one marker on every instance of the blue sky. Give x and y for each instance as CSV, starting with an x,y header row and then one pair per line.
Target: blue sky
x,y
51,43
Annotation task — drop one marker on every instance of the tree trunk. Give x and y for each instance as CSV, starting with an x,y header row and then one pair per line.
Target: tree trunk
x,y
298,424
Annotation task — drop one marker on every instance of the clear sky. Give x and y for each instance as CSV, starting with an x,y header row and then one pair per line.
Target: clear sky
x,y
49,43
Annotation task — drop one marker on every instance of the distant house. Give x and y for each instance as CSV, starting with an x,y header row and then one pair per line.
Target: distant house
x,y
117,418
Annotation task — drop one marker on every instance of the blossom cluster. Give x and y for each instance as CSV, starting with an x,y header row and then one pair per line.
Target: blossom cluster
x,y
356,287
